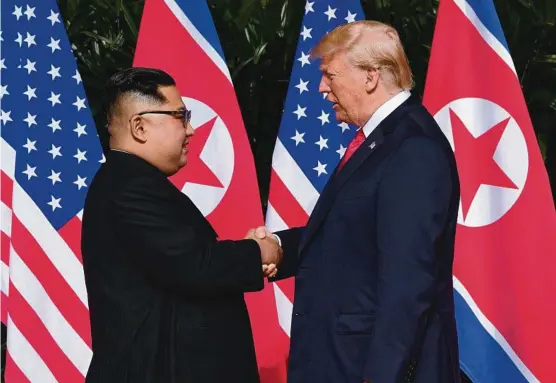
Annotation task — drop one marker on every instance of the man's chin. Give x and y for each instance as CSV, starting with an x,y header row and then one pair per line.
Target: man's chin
x,y
341,116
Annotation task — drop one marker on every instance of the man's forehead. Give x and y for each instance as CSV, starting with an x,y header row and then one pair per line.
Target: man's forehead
x,y
173,96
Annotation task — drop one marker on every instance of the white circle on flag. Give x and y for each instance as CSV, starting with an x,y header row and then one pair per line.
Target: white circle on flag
x,y
218,155
479,115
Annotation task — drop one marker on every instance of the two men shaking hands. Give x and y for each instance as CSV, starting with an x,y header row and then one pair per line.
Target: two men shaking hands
x,y
271,250
373,265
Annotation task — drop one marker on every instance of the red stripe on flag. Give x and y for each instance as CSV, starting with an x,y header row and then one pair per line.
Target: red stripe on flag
x,y
6,191
53,282
13,374
29,324
71,233
285,204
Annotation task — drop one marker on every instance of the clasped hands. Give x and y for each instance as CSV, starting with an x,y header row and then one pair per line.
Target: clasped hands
x,y
271,252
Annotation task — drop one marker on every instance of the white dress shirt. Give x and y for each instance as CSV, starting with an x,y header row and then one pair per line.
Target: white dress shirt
x,y
384,111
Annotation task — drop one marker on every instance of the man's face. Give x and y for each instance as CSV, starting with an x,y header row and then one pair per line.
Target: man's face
x,y
167,135
345,85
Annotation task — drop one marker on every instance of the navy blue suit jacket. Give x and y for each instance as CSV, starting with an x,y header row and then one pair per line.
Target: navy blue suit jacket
x,y
373,266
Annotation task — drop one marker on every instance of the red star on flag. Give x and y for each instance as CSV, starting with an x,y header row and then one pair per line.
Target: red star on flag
x,y
196,171
475,160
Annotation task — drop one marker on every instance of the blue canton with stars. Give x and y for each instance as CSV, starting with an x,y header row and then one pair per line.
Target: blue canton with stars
x,y
45,117
309,129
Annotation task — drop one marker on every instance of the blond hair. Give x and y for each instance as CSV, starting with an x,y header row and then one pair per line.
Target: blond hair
x,y
369,45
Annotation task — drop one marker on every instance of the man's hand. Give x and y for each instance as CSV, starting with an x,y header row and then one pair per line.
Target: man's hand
x,y
271,252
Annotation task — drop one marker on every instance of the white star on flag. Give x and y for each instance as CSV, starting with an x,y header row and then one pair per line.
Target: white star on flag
x,y
54,72
54,177
31,119
344,126
54,98
30,66
324,118
79,103
331,13
30,40
80,156
55,203
320,168
304,59
302,86
30,172
30,145
341,151
55,151
30,12
54,45
306,33
322,143
30,92
18,12
3,91
5,116
300,112
55,125
298,138
80,129
53,17
80,182
350,18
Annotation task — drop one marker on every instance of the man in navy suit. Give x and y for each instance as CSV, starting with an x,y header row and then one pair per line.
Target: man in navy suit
x,y
373,266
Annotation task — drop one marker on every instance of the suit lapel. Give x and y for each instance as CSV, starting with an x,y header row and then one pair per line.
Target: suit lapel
x,y
363,154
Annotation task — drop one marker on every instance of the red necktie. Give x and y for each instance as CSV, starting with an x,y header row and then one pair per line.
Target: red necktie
x,y
352,147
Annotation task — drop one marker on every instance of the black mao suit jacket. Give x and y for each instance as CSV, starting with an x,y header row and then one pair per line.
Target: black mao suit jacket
x,y
165,297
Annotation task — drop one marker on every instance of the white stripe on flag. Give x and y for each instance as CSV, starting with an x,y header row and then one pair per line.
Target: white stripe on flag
x,y
493,331
23,279
52,244
6,219
4,278
199,38
489,38
273,220
8,158
26,358
293,178
284,308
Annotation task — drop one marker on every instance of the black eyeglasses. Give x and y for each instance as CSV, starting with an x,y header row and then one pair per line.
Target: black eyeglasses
x,y
183,114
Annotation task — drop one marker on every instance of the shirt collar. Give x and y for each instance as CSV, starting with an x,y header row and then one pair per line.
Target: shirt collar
x,y
384,110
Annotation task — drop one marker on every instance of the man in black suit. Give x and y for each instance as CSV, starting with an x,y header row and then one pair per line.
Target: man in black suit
x,y
373,290
165,295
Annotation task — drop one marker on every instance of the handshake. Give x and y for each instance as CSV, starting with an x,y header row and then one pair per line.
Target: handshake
x,y
271,251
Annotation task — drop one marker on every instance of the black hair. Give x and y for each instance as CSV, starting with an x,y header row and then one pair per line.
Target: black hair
x,y
139,82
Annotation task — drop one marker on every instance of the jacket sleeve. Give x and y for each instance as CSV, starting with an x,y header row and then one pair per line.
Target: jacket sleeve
x,y
168,248
290,240
413,202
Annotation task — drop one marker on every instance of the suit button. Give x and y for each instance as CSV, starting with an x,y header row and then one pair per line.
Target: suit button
x,y
296,314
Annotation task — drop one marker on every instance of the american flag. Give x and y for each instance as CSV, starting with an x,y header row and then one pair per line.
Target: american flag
x,y
310,140
49,153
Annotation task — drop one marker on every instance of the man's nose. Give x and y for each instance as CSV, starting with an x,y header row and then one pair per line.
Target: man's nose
x,y
189,130
323,86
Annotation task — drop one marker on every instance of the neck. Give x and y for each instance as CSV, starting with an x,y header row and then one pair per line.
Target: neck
x,y
379,98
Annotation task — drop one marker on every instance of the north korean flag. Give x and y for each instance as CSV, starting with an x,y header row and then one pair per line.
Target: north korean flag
x,y
506,238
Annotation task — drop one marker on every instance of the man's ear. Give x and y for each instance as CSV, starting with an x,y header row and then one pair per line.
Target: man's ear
x,y
371,80
137,129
